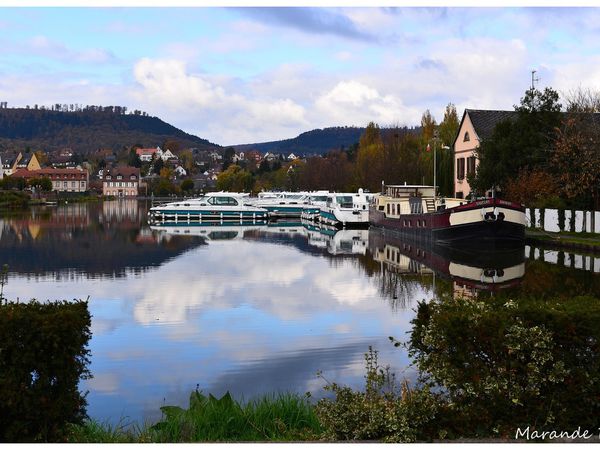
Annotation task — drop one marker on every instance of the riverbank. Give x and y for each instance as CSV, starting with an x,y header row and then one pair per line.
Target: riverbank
x,y
589,242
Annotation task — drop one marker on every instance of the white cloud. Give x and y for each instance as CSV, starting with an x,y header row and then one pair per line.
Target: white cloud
x,y
198,98
353,102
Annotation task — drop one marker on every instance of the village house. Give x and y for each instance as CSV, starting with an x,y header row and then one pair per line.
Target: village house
x,y
292,157
476,125
253,155
121,182
16,161
63,180
146,154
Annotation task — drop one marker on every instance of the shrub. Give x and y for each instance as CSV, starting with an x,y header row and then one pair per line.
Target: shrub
x,y
43,356
383,411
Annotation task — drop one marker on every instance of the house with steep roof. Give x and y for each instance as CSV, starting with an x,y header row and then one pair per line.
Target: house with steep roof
x,y
121,181
476,126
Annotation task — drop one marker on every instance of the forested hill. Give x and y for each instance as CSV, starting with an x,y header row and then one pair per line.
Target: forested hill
x,y
319,141
85,131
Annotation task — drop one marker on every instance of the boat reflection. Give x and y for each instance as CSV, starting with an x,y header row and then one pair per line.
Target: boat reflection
x,y
469,271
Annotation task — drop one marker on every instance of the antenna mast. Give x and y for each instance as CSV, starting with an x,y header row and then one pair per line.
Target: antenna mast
x,y
533,79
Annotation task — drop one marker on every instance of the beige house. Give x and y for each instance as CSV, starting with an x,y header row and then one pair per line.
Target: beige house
x,y
476,125
63,180
121,182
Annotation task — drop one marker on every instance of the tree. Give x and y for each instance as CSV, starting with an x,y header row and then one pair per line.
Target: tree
x,y
228,157
576,158
43,184
428,126
524,142
133,158
447,132
235,179
166,173
158,165
370,158
187,185
583,100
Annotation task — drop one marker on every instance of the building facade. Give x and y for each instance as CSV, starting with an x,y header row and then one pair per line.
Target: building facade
x,y
476,125
63,180
121,182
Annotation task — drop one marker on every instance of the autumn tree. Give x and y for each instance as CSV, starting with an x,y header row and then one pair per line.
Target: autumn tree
x,y
534,188
187,160
235,179
428,126
447,132
576,158
370,158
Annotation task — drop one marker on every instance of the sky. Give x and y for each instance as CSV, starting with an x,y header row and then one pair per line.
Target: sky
x,y
240,75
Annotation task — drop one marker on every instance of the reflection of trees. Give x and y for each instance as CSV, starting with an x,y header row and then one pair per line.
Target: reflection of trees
x,y
80,238
512,363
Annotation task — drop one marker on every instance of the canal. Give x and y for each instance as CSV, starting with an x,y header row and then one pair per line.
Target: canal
x,y
251,309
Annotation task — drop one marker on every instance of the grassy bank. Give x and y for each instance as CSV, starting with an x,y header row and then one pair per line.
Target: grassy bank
x,y
565,239
282,418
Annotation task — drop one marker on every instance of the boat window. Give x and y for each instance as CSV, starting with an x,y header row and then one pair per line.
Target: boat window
x,y
223,201
345,201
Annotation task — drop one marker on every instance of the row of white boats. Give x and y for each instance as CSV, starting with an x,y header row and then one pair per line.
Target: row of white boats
x,y
334,209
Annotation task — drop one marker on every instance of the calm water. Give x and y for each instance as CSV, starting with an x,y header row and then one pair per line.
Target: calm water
x,y
249,309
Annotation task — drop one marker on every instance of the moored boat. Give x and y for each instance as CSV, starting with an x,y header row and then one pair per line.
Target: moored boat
x,y
216,206
415,210
283,204
312,210
346,210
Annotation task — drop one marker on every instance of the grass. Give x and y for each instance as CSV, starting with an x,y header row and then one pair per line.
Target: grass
x,y
273,418
566,237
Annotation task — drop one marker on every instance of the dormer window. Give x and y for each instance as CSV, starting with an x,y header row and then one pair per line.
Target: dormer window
x,y
467,138
119,177
132,177
108,177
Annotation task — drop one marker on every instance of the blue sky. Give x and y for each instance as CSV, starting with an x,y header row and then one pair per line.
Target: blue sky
x,y
238,75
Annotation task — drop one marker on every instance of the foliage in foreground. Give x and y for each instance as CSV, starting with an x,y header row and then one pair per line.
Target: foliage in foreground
x,y
43,356
286,417
384,411
505,363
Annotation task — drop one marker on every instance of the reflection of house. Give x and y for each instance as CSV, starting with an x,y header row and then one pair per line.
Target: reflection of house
x,y
475,126
121,182
63,180
126,210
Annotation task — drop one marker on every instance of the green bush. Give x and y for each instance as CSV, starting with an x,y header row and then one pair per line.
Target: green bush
x,y
383,411
507,363
43,357
14,200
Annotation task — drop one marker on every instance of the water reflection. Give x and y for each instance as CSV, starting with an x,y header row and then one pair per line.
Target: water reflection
x,y
86,240
249,308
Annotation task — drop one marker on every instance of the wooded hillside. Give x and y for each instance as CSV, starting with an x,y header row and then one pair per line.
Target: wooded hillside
x,y
319,141
88,130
